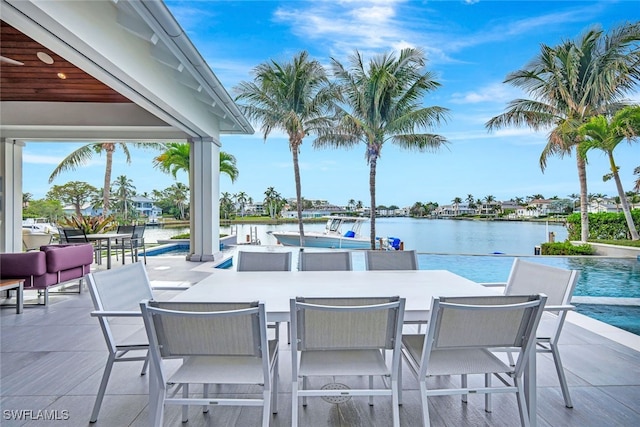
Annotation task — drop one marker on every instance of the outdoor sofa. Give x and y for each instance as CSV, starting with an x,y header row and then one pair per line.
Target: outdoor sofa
x,y
52,265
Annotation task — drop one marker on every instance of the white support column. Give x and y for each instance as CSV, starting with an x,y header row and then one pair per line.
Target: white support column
x,y
11,195
204,177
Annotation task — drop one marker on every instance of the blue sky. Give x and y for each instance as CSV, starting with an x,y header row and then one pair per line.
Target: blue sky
x,y
470,45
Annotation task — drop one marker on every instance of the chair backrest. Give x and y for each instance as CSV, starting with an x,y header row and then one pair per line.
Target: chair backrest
x,y
556,283
62,238
120,289
346,323
73,235
125,229
324,261
485,322
138,234
183,329
263,261
391,260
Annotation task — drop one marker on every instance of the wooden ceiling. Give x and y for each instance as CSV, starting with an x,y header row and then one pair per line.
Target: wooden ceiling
x,y
38,81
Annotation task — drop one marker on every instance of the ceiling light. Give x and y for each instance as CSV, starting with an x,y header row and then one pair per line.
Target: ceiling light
x,y
62,76
44,57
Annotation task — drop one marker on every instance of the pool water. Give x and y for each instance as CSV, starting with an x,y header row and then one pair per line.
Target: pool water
x,y
599,277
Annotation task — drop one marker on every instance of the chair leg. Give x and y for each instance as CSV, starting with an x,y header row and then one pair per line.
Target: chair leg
x,y
463,383
425,402
305,386
205,395
274,386
266,407
561,377
185,407
522,403
395,402
294,403
145,365
487,396
370,388
102,388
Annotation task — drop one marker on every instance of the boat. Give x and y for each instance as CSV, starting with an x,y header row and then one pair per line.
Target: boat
x,y
341,232
39,225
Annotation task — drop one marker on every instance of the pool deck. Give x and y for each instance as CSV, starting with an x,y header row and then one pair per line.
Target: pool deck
x,y
52,358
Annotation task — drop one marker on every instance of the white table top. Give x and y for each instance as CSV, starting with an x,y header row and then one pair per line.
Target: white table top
x,y
275,289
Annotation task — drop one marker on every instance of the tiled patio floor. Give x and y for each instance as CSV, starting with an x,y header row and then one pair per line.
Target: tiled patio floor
x,y
52,359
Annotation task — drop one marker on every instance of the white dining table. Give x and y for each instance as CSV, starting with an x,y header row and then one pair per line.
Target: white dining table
x,y
276,288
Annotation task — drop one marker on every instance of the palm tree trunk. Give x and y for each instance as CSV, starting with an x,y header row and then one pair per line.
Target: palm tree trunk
x,y
584,209
296,171
623,200
106,191
372,191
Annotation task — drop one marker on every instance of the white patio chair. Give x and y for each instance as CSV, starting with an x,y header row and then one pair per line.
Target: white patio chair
x,y
462,333
558,285
345,337
265,261
325,261
117,293
391,260
220,343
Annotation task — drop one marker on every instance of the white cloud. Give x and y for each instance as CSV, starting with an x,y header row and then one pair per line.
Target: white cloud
x,y
496,92
41,159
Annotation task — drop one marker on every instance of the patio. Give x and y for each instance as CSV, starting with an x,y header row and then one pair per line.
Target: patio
x,y
53,357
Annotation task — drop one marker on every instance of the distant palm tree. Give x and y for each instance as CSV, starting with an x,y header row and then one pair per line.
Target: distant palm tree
x,y
384,103
605,134
124,190
241,199
178,193
293,96
636,185
273,201
570,83
456,204
84,154
226,204
176,158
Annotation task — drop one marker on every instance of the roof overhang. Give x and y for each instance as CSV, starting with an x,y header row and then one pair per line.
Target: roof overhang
x,y
135,48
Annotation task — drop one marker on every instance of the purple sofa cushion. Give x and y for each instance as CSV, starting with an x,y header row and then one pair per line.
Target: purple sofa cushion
x,y
65,257
23,265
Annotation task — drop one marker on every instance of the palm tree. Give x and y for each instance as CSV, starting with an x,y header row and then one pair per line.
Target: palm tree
x,y
176,158
124,189
605,135
272,200
456,204
295,97
178,193
84,154
241,199
636,185
384,102
226,204
570,83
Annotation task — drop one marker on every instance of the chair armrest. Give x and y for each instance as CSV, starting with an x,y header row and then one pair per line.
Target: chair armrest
x,y
170,288
559,307
116,314
493,284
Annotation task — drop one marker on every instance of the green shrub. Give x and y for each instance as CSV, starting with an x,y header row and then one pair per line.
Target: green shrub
x,y
603,225
566,248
